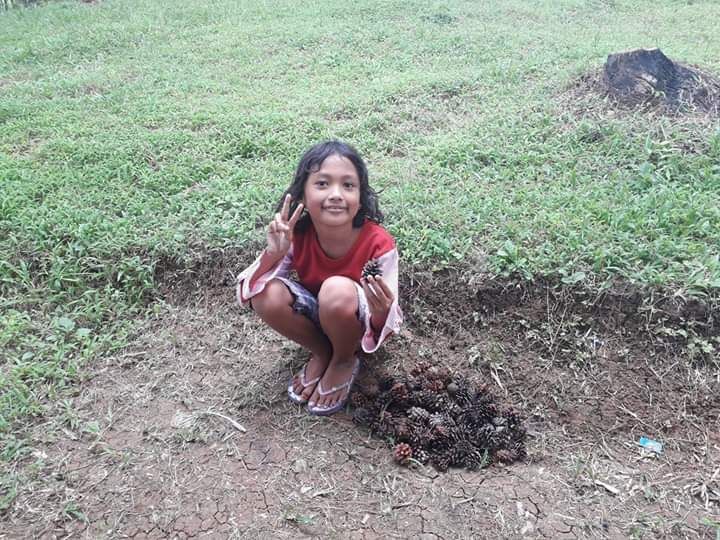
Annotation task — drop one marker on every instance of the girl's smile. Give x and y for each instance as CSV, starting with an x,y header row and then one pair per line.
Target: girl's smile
x,y
332,193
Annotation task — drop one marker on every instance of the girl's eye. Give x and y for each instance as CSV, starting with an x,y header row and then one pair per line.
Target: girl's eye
x,y
349,185
321,183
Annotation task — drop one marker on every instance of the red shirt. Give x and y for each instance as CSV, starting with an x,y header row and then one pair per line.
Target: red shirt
x,y
313,266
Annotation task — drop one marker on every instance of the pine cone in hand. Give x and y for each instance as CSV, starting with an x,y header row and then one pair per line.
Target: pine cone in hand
x,y
372,268
403,453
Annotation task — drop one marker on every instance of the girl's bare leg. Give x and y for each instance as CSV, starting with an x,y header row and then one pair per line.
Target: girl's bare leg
x,y
338,317
274,306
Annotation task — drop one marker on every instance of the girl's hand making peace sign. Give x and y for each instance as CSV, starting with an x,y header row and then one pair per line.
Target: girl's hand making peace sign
x,y
380,299
280,231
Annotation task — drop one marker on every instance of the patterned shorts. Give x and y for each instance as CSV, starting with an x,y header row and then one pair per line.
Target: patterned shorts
x,y
306,303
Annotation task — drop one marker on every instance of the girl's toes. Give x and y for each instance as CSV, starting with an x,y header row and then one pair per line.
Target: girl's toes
x,y
307,392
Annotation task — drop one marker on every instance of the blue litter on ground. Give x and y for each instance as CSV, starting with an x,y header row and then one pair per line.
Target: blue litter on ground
x,y
654,446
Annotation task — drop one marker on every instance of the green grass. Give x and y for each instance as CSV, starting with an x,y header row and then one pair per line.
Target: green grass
x,y
136,132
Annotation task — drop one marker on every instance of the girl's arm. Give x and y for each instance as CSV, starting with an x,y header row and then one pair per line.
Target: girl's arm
x,y
266,267
276,259
384,315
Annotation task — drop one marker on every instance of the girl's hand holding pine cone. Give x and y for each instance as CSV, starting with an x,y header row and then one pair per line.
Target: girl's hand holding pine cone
x,y
379,297
280,231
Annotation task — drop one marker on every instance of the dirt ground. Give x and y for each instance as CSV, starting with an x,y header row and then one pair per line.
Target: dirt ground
x,y
154,448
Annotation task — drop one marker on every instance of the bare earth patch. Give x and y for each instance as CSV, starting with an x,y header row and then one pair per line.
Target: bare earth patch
x,y
147,456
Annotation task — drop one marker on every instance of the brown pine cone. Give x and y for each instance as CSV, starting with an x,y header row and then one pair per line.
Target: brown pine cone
x,y
437,404
506,456
371,389
440,433
439,373
421,456
434,386
362,416
441,461
399,392
440,419
419,368
386,424
359,400
402,453
402,429
372,268
418,414
385,382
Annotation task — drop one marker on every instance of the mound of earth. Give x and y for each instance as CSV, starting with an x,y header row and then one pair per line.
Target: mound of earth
x,y
647,78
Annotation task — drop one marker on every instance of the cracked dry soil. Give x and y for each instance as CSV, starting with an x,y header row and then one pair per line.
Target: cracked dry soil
x,y
159,466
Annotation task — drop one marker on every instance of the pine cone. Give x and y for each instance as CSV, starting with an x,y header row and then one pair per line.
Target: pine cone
x,y
483,436
386,424
438,403
371,389
362,416
477,460
475,416
440,419
359,400
419,369
399,392
506,455
402,429
421,456
440,439
453,410
434,386
464,454
385,382
417,439
402,453
439,373
418,414
441,461
372,268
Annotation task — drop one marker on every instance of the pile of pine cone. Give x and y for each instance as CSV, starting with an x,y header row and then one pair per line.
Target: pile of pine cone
x,y
432,417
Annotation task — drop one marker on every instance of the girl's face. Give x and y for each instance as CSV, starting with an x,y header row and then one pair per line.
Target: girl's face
x,y
332,193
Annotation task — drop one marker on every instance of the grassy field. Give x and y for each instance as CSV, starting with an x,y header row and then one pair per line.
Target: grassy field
x,y
137,133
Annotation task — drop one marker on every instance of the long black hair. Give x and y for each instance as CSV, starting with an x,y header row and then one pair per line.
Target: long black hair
x,y
311,161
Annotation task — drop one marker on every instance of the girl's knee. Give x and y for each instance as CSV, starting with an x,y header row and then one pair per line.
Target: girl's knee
x,y
274,297
338,297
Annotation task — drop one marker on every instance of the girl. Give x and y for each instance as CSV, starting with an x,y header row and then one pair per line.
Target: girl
x,y
327,229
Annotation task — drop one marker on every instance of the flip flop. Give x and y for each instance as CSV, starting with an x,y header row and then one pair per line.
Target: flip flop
x,y
320,410
297,398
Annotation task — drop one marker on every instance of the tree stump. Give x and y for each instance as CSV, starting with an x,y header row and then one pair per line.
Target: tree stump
x,y
648,77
